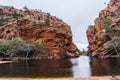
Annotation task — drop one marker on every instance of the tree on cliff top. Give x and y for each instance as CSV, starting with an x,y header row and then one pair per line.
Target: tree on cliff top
x,y
25,8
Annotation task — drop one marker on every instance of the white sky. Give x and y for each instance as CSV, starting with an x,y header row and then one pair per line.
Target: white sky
x,y
77,13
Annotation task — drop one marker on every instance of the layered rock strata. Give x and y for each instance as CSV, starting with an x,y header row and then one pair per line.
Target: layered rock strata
x,y
105,30
34,25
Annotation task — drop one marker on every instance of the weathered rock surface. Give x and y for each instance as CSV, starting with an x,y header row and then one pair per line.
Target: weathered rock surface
x,y
96,33
33,25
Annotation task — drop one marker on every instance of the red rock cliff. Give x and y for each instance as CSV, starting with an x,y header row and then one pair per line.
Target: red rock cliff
x,y
33,25
101,34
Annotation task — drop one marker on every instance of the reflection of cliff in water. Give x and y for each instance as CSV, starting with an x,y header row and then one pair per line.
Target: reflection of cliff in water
x,y
37,68
100,67
82,66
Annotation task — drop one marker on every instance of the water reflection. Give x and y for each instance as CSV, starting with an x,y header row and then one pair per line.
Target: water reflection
x,y
75,67
101,67
37,68
81,67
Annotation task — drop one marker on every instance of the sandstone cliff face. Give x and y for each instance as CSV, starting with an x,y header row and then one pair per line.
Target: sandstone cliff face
x,y
33,25
101,34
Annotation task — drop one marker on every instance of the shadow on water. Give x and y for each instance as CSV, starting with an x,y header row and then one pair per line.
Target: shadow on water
x,y
75,67
102,67
37,68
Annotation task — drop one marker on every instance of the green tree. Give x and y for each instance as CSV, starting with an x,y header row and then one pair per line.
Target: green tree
x,y
1,19
47,21
39,18
18,44
15,15
25,8
106,23
49,14
83,52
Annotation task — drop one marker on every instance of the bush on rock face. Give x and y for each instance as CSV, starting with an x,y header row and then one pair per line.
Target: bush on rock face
x,y
47,21
107,25
15,15
13,46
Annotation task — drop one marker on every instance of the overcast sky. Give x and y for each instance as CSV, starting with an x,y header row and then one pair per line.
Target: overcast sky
x,y
77,13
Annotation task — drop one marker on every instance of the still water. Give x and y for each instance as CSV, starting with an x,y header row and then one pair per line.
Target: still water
x,y
75,67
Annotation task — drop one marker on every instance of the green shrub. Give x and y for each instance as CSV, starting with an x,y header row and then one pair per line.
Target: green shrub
x,y
116,39
15,15
3,47
84,52
4,20
1,20
37,46
9,14
7,31
19,44
106,23
2,28
115,45
47,21
48,14
25,8
10,44
1,13
39,18
15,31
19,24
115,29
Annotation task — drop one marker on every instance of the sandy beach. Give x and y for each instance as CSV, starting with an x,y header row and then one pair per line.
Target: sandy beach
x,y
2,62
89,78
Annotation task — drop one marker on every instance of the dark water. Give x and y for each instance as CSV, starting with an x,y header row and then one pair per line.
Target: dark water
x,y
79,67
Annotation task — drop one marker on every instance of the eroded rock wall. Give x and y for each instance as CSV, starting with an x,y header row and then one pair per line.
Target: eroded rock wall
x,y
32,25
97,34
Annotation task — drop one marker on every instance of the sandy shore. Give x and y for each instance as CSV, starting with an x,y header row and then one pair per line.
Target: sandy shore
x,y
2,62
89,78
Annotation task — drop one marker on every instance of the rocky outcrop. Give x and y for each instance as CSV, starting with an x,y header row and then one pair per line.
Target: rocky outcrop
x,y
34,25
106,27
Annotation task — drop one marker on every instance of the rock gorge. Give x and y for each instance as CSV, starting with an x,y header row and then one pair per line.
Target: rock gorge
x,y
34,25
104,35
